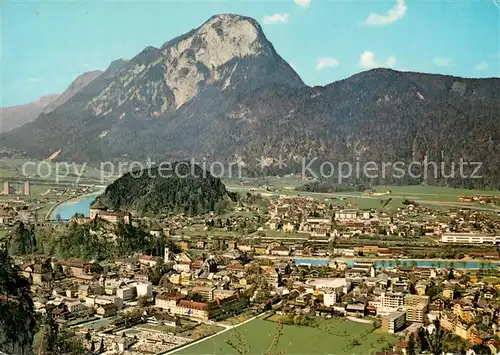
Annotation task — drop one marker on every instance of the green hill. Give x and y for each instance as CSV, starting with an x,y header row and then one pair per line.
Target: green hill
x,y
184,188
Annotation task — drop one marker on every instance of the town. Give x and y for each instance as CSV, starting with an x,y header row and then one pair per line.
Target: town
x,y
286,261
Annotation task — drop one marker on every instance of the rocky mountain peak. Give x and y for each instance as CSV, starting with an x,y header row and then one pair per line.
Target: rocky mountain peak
x,y
227,52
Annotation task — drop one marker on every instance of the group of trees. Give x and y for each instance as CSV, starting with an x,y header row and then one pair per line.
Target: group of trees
x,y
185,188
17,317
82,241
21,330
51,339
434,340
23,240
329,187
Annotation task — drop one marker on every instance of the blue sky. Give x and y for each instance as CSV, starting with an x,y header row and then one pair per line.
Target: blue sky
x,y
46,44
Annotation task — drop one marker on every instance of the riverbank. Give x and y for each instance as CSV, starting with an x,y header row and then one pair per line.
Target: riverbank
x,y
390,263
72,199
437,260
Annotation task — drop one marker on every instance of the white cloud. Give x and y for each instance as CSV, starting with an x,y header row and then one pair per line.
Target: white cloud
x,y
303,3
367,60
394,14
442,61
391,62
482,66
325,62
276,18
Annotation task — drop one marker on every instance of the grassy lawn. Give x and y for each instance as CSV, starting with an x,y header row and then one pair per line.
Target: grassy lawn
x,y
237,319
50,171
333,336
200,331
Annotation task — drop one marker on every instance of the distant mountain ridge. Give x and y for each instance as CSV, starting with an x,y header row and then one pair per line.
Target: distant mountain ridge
x,y
15,116
79,83
222,92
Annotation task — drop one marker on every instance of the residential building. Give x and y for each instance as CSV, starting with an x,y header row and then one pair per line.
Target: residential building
x,y
37,273
393,321
126,293
392,299
148,260
144,289
413,300
448,293
75,306
106,310
416,307
206,292
220,294
421,288
329,297
346,215
416,313
89,290
470,238
271,275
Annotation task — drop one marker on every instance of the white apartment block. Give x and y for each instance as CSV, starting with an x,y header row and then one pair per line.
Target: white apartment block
x,y
144,289
126,293
470,238
392,300
329,298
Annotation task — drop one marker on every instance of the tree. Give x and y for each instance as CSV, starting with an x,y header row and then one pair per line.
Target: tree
x,y
22,240
50,335
435,338
101,347
17,317
195,297
411,345
142,301
92,346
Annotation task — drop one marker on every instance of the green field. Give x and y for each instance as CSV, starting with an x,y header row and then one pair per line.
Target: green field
x,y
23,169
333,336
437,197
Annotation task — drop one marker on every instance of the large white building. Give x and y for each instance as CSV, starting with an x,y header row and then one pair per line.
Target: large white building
x,y
329,297
144,289
470,238
392,300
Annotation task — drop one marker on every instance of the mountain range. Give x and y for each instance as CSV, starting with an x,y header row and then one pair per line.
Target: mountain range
x,y
222,92
16,116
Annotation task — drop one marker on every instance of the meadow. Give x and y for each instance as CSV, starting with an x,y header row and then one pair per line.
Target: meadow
x,y
387,198
332,336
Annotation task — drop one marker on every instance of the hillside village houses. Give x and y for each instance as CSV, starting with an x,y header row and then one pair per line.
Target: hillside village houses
x,y
318,262
223,285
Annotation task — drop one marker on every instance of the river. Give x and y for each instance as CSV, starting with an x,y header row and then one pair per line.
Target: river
x,y
80,204
381,264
